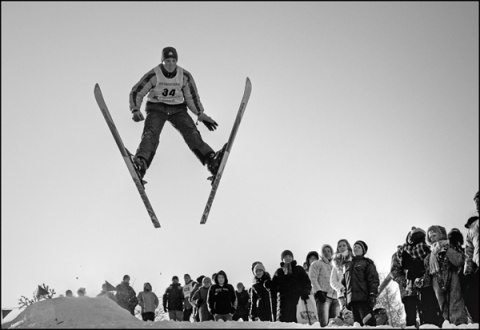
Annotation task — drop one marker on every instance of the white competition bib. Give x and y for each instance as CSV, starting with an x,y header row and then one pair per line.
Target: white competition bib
x,y
167,90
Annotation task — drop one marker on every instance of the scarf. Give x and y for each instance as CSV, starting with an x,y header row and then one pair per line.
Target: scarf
x,y
417,251
437,247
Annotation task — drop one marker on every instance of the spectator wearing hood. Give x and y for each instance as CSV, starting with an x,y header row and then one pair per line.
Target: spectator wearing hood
x,y
291,283
126,297
149,302
361,284
243,303
406,267
343,254
443,265
173,300
199,300
325,296
263,304
221,298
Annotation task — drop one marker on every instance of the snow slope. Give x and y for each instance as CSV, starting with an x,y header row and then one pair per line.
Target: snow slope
x,y
85,312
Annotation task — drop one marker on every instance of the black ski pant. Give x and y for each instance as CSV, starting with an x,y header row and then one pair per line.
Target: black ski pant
x,y
148,316
360,310
430,312
471,296
186,314
157,115
411,303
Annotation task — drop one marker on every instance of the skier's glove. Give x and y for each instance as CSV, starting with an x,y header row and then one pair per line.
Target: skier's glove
x,y
207,121
305,296
137,116
199,301
165,309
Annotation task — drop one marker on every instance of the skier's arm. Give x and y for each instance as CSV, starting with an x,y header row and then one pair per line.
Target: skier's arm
x,y
190,93
138,92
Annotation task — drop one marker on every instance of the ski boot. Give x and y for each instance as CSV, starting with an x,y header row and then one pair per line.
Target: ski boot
x,y
141,167
213,162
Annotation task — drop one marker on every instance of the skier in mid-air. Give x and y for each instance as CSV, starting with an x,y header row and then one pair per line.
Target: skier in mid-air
x,y
170,89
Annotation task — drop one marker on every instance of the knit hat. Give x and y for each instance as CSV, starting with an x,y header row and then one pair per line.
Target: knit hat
x,y
169,52
363,245
175,277
416,235
286,253
258,266
200,278
470,221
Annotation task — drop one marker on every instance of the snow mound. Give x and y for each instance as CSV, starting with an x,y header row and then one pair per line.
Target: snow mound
x,y
102,312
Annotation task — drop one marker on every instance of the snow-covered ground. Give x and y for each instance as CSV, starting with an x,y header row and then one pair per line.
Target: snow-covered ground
x,y
102,312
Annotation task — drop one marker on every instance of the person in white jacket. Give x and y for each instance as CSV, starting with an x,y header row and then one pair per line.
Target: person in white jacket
x,y
343,254
325,295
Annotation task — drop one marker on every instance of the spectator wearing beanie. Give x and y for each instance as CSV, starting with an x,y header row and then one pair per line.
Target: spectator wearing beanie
x,y
361,284
407,266
263,302
291,283
173,300
325,296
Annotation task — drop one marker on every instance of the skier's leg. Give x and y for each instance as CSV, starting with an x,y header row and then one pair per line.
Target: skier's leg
x,y
186,126
154,123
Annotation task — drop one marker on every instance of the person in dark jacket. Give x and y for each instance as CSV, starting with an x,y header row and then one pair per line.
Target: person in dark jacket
x,y
126,297
173,299
407,265
262,307
221,298
361,284
243,303
291,282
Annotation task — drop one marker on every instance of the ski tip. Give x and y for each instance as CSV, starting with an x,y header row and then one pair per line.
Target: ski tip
x,y
97,86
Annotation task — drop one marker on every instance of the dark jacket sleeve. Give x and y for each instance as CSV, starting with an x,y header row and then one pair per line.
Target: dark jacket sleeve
x,y
372,278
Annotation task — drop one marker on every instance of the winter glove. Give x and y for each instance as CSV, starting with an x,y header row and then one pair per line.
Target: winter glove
x,y
321,296
267,284
137,116
165,309
304,296
207,121
199,302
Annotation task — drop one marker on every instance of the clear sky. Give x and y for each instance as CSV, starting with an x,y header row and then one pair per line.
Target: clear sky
x,y
363,122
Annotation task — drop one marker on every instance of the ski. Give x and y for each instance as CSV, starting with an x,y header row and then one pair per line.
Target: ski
x,y
126,155
228,148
